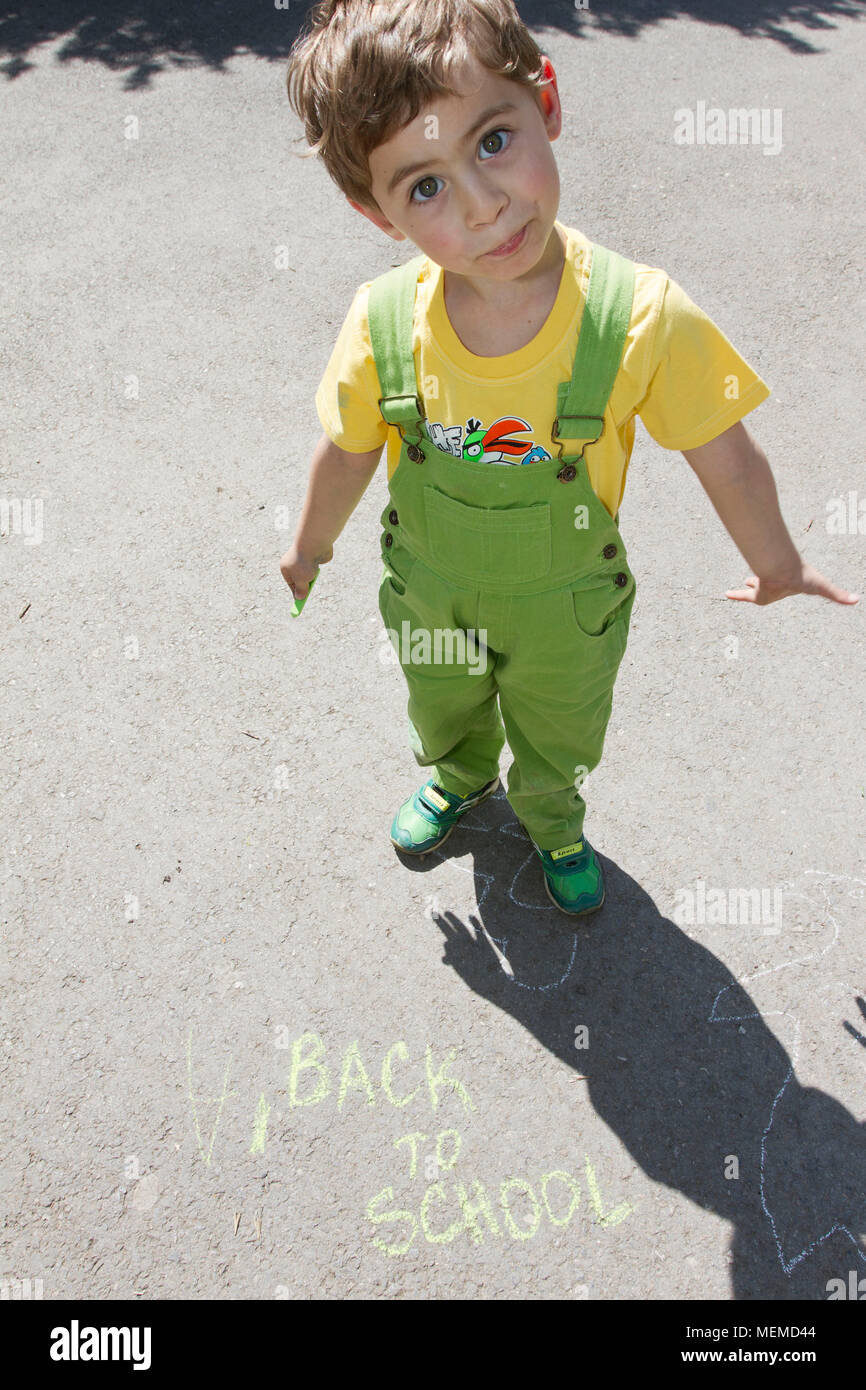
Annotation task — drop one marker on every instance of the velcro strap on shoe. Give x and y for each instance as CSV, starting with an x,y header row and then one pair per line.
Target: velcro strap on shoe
x,y
434,800
569,849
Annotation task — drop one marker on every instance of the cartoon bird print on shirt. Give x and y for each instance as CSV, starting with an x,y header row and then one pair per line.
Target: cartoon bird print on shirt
x,y
494,446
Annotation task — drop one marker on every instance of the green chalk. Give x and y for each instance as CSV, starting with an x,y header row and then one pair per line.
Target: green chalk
x,y
299,602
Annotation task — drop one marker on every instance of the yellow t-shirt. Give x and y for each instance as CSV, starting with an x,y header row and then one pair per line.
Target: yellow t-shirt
x,y
679,373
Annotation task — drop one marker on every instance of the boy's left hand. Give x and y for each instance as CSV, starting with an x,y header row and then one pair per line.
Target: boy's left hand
x,y
808,581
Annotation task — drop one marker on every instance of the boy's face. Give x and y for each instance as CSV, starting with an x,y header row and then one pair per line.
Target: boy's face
x,y
476,179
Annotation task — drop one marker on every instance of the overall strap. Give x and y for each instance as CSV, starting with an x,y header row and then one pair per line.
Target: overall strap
x,y
600,344
581,401
390,312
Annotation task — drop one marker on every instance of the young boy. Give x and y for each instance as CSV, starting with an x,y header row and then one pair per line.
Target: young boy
x,y
435,118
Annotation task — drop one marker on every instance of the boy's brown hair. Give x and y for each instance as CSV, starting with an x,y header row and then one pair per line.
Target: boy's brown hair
x,y
362,69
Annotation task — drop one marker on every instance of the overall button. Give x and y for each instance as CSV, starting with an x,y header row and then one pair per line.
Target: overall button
x,y
392,517
567,472
389,539
608,552
620,580
415,454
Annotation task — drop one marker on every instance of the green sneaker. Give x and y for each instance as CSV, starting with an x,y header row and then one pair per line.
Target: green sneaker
x,y
426,820
573,878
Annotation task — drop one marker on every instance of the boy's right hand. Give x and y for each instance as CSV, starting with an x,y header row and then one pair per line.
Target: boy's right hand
x,y
299,570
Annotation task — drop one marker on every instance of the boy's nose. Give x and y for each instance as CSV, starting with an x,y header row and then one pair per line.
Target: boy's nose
x,y
483,204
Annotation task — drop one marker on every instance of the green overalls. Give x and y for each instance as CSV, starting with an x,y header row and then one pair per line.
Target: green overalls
x,y
524,558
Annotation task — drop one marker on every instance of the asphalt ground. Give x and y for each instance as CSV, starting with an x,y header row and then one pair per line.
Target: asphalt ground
x,y
241,1033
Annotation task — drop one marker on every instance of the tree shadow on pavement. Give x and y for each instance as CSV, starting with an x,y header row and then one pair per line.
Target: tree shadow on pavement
x,y
680,1065
146,38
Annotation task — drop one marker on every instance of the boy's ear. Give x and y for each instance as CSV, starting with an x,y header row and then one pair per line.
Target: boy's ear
x,y
378,219
548,100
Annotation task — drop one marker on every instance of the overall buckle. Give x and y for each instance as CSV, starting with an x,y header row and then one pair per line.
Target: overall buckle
x,y
402,409
580,420
405,411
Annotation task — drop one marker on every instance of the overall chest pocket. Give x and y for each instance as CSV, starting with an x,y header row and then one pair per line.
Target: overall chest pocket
x,y
499,543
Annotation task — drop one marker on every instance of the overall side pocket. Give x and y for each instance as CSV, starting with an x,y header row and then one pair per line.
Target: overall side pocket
x,y
396,576
601,615
397,568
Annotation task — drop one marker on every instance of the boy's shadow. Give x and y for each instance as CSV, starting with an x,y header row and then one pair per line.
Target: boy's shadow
x,y
705,1081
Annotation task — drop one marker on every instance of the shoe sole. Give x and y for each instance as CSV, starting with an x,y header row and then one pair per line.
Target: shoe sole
x,y
583,912
419,853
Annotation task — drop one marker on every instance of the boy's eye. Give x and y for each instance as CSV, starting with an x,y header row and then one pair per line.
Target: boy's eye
x,y
428,179
493,135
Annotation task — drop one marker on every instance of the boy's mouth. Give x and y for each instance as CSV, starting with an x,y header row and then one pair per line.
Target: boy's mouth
x,y
508,246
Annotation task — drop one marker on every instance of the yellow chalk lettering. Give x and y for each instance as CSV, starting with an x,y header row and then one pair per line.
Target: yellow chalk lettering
x,y
563,1177
263,1110
416,1134
225,1091
300,1064
614,1217
357,1083
471,1209
446,1236
402,1050
437,1079
515,1230
388,1195
446,1167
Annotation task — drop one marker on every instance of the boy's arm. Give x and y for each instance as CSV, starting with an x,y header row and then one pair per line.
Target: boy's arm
x,y
736,477
337,482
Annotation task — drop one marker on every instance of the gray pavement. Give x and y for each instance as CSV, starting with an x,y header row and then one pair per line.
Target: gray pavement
x,y
250,1053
